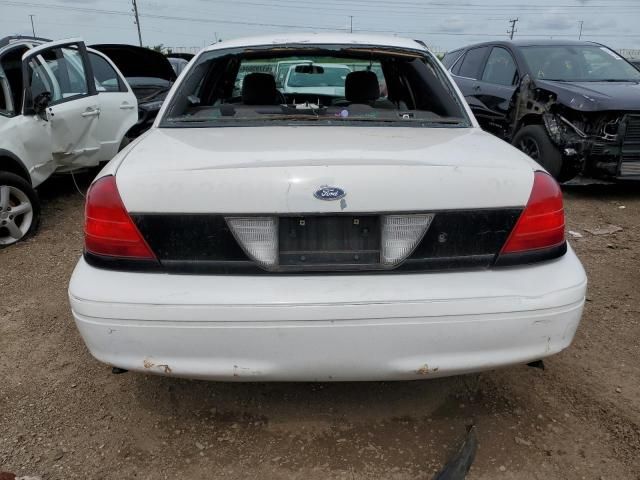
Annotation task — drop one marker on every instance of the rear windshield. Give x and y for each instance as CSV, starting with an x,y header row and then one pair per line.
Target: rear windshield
x,y
315,84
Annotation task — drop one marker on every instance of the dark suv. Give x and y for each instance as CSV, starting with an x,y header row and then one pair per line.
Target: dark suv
x,y
572,106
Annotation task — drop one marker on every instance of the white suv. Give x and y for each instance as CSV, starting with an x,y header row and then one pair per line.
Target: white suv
x,y
62,107
275,236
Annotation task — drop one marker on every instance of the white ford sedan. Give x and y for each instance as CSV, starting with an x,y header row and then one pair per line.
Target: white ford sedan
x,y
381,235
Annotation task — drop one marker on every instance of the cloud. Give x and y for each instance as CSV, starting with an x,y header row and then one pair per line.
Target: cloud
x,y
552,23
454,24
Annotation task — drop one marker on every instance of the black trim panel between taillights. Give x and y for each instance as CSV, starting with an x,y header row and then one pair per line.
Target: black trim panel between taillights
x,y
203,244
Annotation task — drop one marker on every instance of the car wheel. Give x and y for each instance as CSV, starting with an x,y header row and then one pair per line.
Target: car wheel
x,y
19,209
534,141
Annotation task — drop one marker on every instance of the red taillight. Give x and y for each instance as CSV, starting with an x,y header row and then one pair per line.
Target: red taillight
x,y
541,225
108,228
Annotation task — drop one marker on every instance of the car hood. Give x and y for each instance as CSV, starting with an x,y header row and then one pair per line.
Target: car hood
x,y
595,96
135,61
277,169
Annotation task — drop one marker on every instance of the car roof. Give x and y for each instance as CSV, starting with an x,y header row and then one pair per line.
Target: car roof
x,y
17,38
319,39
531,43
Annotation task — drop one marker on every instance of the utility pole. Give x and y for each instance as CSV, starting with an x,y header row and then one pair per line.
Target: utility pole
x,y
33,29
513,28
580,34
351,23
137,21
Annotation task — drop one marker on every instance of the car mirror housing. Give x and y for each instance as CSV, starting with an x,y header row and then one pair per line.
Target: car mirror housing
x,y
37,105
41,102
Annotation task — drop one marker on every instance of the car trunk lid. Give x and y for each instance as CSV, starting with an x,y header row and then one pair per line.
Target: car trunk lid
x,y
277,170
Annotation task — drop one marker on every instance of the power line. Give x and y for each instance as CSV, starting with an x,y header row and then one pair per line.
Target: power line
x,y
440,5
297,26
396,9
170,17
368,4
449,10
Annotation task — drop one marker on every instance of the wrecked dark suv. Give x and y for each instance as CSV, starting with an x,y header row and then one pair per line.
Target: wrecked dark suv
x,y
572,106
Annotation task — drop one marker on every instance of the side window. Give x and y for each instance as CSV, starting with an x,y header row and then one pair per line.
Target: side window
x,y
11,64
107,79
501,68
59,71
450,58
472,63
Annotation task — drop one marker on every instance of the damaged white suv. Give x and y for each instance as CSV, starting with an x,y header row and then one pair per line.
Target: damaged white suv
x,y
63,107
255,234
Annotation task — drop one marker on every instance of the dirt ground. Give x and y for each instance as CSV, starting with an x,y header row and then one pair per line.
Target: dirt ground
x,y
64,415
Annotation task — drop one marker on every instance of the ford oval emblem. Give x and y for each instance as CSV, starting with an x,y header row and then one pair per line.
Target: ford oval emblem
x,y
329,193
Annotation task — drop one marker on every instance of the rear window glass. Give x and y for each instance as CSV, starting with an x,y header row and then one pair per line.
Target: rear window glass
x,y
106,78
315,84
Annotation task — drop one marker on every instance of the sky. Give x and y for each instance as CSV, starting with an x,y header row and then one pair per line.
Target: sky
x,y
442,24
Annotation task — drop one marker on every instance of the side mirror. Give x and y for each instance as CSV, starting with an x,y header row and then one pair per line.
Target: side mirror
x,y
41,102
36,105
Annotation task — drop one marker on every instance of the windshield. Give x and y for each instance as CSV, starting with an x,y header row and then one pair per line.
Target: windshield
x,y
578,63
320,84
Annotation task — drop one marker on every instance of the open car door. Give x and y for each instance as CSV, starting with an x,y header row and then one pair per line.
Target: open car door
x,y
59,87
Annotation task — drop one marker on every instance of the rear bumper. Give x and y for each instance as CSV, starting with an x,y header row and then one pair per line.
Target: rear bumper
x,y
346,327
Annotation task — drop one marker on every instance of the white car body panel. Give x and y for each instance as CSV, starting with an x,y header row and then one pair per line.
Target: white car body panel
x,y
40,47
77,134
300,38
74,133
225,173
28,138
324,327
118,113
327,327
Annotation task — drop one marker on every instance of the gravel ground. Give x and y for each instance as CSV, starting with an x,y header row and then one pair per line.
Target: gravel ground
x,y
63,415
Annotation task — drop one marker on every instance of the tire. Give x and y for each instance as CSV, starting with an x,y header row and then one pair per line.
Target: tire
x,y
534,141
17,195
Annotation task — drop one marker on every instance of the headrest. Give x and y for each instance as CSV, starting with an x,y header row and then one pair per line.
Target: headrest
x,y
259,89
362,87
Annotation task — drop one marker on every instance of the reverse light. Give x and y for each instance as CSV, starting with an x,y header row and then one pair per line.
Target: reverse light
x,y
258,236
541,224
400,235
108,229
